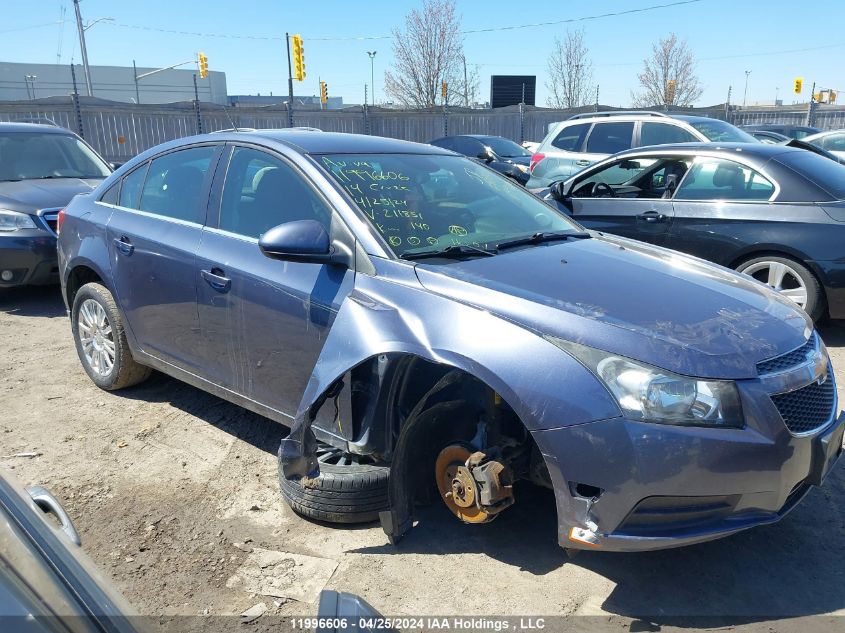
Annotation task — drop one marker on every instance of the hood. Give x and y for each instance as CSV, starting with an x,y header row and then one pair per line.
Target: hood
x,y
647,303
29,195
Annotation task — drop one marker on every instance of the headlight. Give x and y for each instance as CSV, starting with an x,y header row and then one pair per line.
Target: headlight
x,y
14,220
655,395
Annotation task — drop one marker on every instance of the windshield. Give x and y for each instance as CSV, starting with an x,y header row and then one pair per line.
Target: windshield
x,y
824,172
504,147
25,155
722,132
424,202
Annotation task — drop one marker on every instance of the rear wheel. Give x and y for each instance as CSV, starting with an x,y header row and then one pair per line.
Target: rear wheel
x,y
101,340
349,489
790,278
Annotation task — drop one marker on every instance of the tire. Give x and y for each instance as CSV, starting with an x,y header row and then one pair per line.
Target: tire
x,y
343,492
789,277
93,302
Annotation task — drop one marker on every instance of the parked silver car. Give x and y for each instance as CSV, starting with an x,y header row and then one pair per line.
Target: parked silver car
x,y
584,139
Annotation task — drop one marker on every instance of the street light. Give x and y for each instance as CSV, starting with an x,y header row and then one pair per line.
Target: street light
x,y
745,94
372,55
93,22
83,49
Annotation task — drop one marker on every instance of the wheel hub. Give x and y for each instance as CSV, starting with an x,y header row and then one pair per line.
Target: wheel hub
x,y
457,486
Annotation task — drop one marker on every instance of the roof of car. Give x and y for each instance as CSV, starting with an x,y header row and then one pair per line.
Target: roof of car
x,y
339,143
33,127
759,150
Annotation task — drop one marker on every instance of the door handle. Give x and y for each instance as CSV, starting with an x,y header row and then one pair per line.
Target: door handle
x,y
652,216
49,504
582,163
124,245
216,279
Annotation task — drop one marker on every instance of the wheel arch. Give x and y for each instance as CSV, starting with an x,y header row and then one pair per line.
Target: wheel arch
x,y
80,272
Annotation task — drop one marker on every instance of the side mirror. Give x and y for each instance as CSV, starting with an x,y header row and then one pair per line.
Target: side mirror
x,y
560,191
672,182
115,166
486,155
300,241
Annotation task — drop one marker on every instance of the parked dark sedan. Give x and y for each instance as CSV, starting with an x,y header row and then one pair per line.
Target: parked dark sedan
x,y
770,211
435,322
791,131
41,168
498,153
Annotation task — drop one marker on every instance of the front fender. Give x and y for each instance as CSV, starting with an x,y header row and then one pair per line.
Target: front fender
x,y
544,386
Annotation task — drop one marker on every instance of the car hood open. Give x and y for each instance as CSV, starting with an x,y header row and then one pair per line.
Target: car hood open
x,y
651,304
27,195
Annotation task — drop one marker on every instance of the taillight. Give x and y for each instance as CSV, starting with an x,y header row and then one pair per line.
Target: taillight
x,y
60,219
535,158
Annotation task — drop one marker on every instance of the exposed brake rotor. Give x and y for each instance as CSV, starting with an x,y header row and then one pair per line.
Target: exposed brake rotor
x,y
474,488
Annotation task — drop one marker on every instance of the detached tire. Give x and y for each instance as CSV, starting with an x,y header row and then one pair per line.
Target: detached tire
x,y
346,491
101,340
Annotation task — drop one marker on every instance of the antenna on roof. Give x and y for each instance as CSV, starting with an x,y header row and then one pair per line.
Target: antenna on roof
x,y
229,116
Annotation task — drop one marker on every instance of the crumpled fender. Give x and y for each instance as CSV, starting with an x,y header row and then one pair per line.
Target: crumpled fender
x,y
546,387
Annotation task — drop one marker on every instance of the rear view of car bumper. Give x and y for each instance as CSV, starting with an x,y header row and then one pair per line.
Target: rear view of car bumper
x,y
623,485
29,259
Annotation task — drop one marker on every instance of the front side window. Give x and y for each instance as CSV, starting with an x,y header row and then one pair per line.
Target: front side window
x,y
571,137
424,202
664,134
719,179
832,142
26,155
610,138
174,184
262,191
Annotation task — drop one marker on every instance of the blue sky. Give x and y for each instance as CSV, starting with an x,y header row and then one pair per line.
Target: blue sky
x,y
728,37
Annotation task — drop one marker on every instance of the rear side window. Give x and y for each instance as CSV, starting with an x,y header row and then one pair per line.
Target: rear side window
x,y
717,179
609,138
571,137
175,182
663,134
110,196
833,142
130,190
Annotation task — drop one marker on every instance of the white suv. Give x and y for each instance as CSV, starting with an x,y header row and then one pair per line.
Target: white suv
x,y
584,139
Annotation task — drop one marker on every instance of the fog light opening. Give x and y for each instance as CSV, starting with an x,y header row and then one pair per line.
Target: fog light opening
x,y
7,275
585,491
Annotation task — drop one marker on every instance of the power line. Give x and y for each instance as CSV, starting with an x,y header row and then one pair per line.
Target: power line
x,y
275,38
31,26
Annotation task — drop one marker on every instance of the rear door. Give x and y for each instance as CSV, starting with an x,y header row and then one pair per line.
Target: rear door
x,y
264,321
153,239
563,155
606,138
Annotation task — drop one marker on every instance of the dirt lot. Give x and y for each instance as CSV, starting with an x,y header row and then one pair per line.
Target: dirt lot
x,y
171,487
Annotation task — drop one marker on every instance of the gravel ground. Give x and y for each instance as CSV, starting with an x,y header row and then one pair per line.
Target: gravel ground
x,y
171,488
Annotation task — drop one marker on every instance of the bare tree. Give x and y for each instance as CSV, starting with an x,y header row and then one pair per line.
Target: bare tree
x,y
468,86
570,72
427,52
668,76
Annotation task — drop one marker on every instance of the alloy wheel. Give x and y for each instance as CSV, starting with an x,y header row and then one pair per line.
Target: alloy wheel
x,y
96,336
782,278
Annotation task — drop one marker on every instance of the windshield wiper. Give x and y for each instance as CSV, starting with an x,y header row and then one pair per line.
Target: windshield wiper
x,y
541,237
456,251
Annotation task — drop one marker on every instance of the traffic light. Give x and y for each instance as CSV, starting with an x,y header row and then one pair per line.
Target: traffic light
x,y
799,84
831,98
202,61
444,89
324,92
298,58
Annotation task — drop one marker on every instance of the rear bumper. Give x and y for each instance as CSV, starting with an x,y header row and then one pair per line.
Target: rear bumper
x,y
666,486
30,256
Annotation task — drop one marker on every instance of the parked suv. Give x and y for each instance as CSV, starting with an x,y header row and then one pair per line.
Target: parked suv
x,y
406,311
584,139
41,168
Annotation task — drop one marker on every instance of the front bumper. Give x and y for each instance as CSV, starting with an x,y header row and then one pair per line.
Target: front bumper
x,y
662,486
31,257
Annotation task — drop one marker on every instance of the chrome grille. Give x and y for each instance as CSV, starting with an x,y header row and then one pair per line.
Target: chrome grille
x,y
809,408
789,360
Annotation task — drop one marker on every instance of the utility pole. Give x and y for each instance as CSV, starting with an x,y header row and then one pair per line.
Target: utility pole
x,y
728,105
777,90
365,94
76,107
597,98
290,82
83,49
466,85
372,55
135,75
745,94
811,105
197,105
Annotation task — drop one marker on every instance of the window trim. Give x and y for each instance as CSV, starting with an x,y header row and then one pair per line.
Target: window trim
x,y
610,121
762,172
672,122
580,150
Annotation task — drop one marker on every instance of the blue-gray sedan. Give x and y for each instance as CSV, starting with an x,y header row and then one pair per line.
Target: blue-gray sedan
x,y
419,321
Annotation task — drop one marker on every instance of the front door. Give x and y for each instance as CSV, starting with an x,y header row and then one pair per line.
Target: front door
x,y
153,238
264,321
